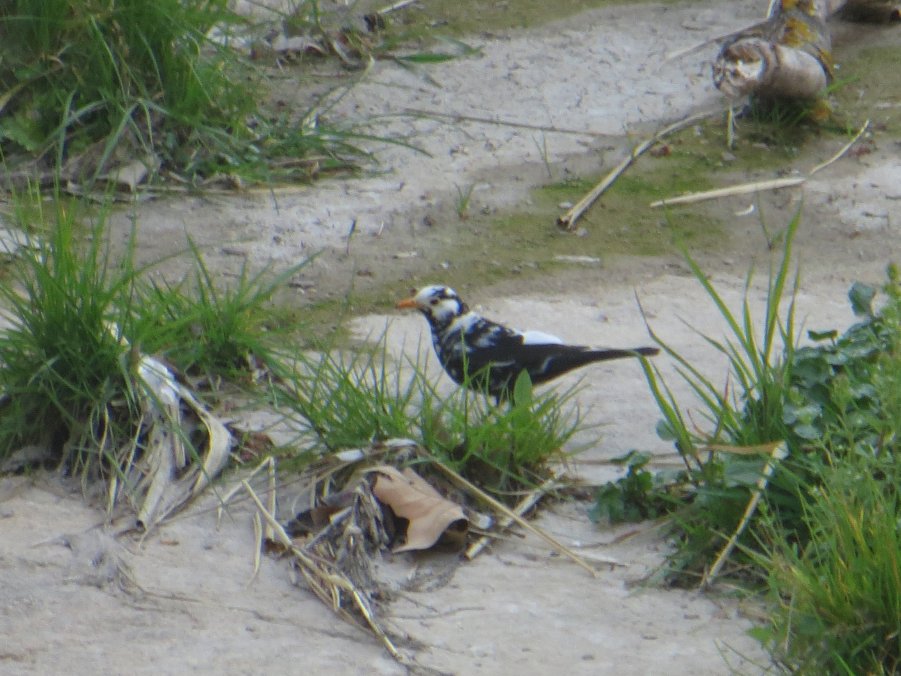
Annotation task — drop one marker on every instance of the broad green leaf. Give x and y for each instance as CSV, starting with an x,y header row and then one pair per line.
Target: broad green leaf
x,y
861,297
522,389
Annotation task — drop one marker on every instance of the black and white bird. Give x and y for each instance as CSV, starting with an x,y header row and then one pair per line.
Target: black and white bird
x,y
489,356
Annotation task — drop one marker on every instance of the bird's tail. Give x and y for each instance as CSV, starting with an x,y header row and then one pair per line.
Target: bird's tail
x,y
606,355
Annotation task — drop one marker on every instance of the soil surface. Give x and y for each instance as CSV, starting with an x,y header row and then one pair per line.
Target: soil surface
x,y
561,101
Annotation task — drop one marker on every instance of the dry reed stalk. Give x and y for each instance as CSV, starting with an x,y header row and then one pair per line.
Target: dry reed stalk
x,y
742,189
777,451
523,506
268,463
460,117
165,477
507,512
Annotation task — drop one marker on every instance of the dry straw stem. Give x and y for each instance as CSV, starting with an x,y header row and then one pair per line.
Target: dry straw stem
x,y
258,549
326,584
261,534
743,189
524,505
460,117
844,149
568,220
759,186
510,514
267,464
777,451
396,6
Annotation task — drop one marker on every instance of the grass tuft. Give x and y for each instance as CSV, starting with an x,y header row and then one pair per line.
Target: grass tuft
x,y
77,390
95,72
347,399
205,326
93,85
837,601
66,377
503,447
824,538
350,400
747,412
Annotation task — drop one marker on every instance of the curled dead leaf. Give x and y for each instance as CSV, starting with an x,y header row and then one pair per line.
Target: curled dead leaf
x,y
411,497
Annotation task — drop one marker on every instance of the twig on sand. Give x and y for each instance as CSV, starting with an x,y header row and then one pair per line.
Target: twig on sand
x,y
460,117
568,220
524,505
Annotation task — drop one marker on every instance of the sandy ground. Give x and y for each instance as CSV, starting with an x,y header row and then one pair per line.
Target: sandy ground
x,y
182,600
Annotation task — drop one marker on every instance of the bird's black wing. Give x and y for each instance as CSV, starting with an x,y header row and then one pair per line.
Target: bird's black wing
x,y
481,349
491,356
543,361
504,353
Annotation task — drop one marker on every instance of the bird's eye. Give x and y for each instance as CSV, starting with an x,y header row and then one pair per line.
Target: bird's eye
x,y
434,301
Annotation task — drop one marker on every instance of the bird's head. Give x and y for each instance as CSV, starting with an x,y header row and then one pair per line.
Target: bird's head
x,y
440,304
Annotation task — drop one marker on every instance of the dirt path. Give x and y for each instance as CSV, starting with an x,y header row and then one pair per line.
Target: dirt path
x,y
183,601
602,74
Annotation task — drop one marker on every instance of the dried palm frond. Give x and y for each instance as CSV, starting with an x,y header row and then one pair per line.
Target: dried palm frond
x,y
179,447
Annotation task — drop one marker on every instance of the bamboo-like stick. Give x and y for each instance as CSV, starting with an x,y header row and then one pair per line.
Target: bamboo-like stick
x,y
520,509
258,541
779,451
742,189
568,220
267,531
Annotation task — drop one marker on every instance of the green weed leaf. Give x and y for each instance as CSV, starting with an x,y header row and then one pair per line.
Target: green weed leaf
x,y
636,496
822,335
861,296
522,389
665,430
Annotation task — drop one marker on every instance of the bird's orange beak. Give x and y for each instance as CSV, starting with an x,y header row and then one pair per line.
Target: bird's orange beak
x,y
406,304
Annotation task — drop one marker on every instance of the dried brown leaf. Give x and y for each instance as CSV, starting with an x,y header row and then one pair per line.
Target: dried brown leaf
x,y
410,497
